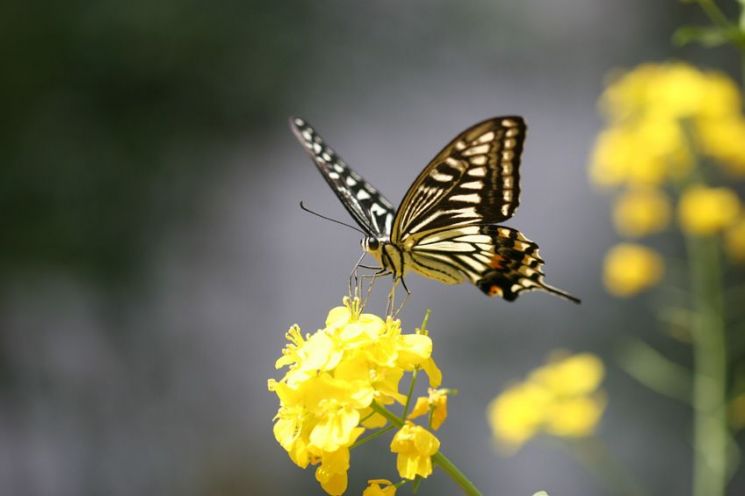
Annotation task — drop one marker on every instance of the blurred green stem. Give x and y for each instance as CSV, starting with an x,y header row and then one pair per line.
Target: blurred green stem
x,y
438,458
594,456
710,357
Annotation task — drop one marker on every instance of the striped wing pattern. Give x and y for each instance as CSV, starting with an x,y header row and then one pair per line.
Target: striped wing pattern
x,y
474,179
372,211
498,260
446,226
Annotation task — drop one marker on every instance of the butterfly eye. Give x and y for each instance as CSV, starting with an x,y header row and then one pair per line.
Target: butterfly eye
x,y
372,244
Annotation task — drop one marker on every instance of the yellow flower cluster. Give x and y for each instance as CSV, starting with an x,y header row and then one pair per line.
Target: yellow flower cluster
x,y
654,112
630,268
661,118
561,398
334,376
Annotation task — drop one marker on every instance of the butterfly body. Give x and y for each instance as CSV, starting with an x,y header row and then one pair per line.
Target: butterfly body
x,y
448,225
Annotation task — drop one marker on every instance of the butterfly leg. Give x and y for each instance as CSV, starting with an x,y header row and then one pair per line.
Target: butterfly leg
x,y
354,282
405,300
372,278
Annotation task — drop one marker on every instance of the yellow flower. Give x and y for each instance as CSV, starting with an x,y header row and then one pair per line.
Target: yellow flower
x,y
415,446
332,473
641,211
518,413
722,139
379,487
643,154
654,112
734,241
705,211
437,403
560,398
672,90
575,417
333,377
571,375
631,268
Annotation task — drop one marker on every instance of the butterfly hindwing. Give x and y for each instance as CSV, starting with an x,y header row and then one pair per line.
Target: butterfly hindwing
x,y
372,211
498,260
474,179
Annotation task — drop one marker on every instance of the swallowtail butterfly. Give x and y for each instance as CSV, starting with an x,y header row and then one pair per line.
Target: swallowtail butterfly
x,y
447,227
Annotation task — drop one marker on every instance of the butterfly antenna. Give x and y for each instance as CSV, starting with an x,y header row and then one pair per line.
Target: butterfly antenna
x,y
332,220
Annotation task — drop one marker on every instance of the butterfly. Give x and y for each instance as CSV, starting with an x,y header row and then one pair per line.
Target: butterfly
x,y
448,226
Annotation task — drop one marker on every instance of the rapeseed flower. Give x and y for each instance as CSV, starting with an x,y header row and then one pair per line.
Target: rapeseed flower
x,y
379,487
705,211
630,268
561,398
334,375
641,211
658,116
415,446
435,403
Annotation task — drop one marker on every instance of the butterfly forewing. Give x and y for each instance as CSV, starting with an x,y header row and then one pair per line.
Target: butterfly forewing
x,y
474,179
372,211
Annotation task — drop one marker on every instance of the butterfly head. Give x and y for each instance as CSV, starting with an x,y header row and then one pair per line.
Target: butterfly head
x,y
371,244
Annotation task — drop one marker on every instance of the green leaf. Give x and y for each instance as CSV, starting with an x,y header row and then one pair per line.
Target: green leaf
x,y
707,36
654,370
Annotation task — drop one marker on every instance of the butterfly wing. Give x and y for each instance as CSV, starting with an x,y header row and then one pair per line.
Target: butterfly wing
x,y
498,260
447,221
371,210
474,179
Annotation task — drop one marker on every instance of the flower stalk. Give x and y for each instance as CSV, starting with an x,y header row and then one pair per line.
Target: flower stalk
x,y
710,378
438,458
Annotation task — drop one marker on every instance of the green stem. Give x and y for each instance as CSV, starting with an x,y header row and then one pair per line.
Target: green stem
x,y
714,14
412,384
594,456
710,357
372,436
438,458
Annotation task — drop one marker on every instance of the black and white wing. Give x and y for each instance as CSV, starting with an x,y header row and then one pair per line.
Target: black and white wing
x,y
474,179
372,211
447,221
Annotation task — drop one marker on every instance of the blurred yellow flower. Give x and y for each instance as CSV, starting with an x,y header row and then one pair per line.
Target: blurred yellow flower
x,y
415,446
379,487
644,154
631,268
705,211
722,139
518,413
734,241
570,375
654,112
334,376
437,403
641,211
561,398
674,90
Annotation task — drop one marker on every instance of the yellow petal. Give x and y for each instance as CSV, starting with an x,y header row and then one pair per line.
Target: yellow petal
x,y
631,268
575,417
641,211
575,375
705,211
379,487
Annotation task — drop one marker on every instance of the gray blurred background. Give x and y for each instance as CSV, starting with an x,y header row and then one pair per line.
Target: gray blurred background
x,y
153,254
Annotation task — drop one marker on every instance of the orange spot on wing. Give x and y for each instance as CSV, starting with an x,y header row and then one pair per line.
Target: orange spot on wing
x,y
495,291
496,261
